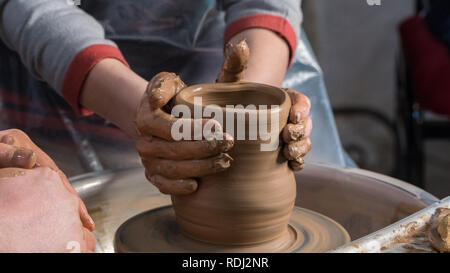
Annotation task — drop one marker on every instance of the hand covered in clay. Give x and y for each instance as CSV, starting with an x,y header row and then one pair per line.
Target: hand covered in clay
x,y
295,134
40,210
173,165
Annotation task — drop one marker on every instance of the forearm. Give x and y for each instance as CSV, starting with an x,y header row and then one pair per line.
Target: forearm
x,y
269,56
271,28
48,34
114,92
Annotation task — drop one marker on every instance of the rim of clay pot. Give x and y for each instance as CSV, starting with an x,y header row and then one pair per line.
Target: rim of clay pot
x,y
282,99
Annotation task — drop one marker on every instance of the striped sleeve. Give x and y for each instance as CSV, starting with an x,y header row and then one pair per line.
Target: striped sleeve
x,y
58,42
281,16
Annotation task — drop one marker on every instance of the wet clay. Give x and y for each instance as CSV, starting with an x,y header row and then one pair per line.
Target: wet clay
x,y
157,231
251,202
430,238
444,229
236,59
439,230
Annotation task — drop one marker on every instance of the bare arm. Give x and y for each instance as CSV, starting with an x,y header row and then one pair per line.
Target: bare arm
x,y
61,44
269,56
114,91
271,29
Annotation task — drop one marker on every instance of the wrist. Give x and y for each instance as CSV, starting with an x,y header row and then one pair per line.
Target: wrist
x,y
114,91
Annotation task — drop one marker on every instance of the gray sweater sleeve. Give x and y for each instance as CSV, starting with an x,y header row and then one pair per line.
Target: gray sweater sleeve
x,y
48,35
289,10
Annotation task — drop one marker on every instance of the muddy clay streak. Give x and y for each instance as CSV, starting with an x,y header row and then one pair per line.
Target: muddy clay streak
x,y
236,59
425,239
438,233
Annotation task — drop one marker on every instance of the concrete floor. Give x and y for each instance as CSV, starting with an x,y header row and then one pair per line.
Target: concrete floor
x,y
356,45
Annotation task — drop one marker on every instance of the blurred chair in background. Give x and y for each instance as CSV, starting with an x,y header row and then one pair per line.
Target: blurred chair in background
x,y
423,78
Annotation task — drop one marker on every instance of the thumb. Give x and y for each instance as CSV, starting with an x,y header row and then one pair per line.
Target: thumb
x,y
236,59
18,157
163,87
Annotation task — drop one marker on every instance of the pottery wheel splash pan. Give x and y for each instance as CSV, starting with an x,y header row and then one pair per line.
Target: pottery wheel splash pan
x,y
409,235
362,202
156,231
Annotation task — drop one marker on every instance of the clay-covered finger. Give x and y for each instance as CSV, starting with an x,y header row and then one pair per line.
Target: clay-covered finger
x,y
173,186
295,132
17,157
187,168
297,164
301,105
163,125
163,87
154,147
297,149
235,62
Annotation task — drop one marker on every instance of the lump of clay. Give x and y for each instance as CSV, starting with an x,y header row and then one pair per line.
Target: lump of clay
x,y
444,230
439,230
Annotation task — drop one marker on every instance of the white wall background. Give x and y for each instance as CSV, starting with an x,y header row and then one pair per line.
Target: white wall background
x,y
356,45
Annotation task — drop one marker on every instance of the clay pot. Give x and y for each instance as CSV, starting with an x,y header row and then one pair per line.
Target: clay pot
x,y
251,202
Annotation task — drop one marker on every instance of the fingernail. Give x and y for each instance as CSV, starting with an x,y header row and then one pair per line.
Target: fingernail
x,y
23,157
222,162
297,117
7,140
154,181
227,143
90,220
220,144
191,187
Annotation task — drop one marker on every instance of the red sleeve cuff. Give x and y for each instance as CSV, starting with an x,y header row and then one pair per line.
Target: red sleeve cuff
x,y
79,69
271,22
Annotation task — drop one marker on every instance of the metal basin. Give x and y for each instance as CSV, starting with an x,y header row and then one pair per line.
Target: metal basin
x,y
361,201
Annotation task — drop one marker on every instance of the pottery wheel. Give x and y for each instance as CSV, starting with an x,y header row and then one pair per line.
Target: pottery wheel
x,y
156,231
